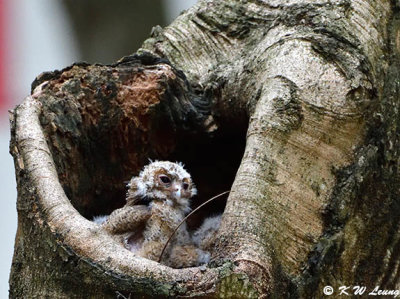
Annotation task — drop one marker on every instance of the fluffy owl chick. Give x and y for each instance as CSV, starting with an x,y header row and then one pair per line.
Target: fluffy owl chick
x,y
163,181
204,236
167,188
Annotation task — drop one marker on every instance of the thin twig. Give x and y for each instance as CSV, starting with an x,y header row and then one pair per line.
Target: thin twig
x,y
184,219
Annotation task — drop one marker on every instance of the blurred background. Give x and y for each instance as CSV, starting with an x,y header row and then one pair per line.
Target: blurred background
x,y
44,35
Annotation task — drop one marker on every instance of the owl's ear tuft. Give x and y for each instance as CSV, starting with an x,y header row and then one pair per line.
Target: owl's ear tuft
x,y
180,164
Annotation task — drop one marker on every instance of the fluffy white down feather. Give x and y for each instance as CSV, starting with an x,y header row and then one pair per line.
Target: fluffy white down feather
x,y
100,219
206,230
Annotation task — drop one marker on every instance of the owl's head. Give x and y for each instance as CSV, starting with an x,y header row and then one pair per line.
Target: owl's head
x,y
163,181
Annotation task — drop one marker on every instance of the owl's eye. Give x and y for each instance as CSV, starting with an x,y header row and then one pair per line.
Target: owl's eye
x,y
185,186
165,179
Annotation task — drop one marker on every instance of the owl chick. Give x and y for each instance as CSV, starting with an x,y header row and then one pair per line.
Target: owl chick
x,y
204,237
157,201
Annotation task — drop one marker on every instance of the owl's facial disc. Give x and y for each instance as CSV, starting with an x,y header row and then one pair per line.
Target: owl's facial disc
x,y
176,188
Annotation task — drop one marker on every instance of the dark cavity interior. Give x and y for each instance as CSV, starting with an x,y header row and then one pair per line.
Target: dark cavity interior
x,y
95,179
103,139
212,161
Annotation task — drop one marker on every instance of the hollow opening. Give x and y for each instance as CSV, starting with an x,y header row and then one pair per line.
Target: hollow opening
x,y
95,163
211,159
103,128
104,136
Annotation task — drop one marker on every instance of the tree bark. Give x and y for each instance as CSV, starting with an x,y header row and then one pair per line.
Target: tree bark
x,y
292,105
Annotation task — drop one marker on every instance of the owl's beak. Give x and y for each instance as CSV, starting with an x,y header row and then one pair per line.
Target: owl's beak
x,y
176,191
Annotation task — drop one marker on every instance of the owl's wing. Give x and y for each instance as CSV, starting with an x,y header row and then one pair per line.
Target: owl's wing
x,y
127,219
137,191
145,200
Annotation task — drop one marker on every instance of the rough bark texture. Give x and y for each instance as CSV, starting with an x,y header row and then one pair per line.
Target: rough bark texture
x,y
314,182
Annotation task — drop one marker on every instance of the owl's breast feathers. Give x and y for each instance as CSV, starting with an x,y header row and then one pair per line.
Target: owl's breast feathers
x,y
163,221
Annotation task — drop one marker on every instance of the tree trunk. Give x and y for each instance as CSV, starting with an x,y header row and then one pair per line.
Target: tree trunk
x,y
292,105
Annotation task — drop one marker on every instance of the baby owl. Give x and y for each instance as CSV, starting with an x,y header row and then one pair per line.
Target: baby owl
x,y
157,201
